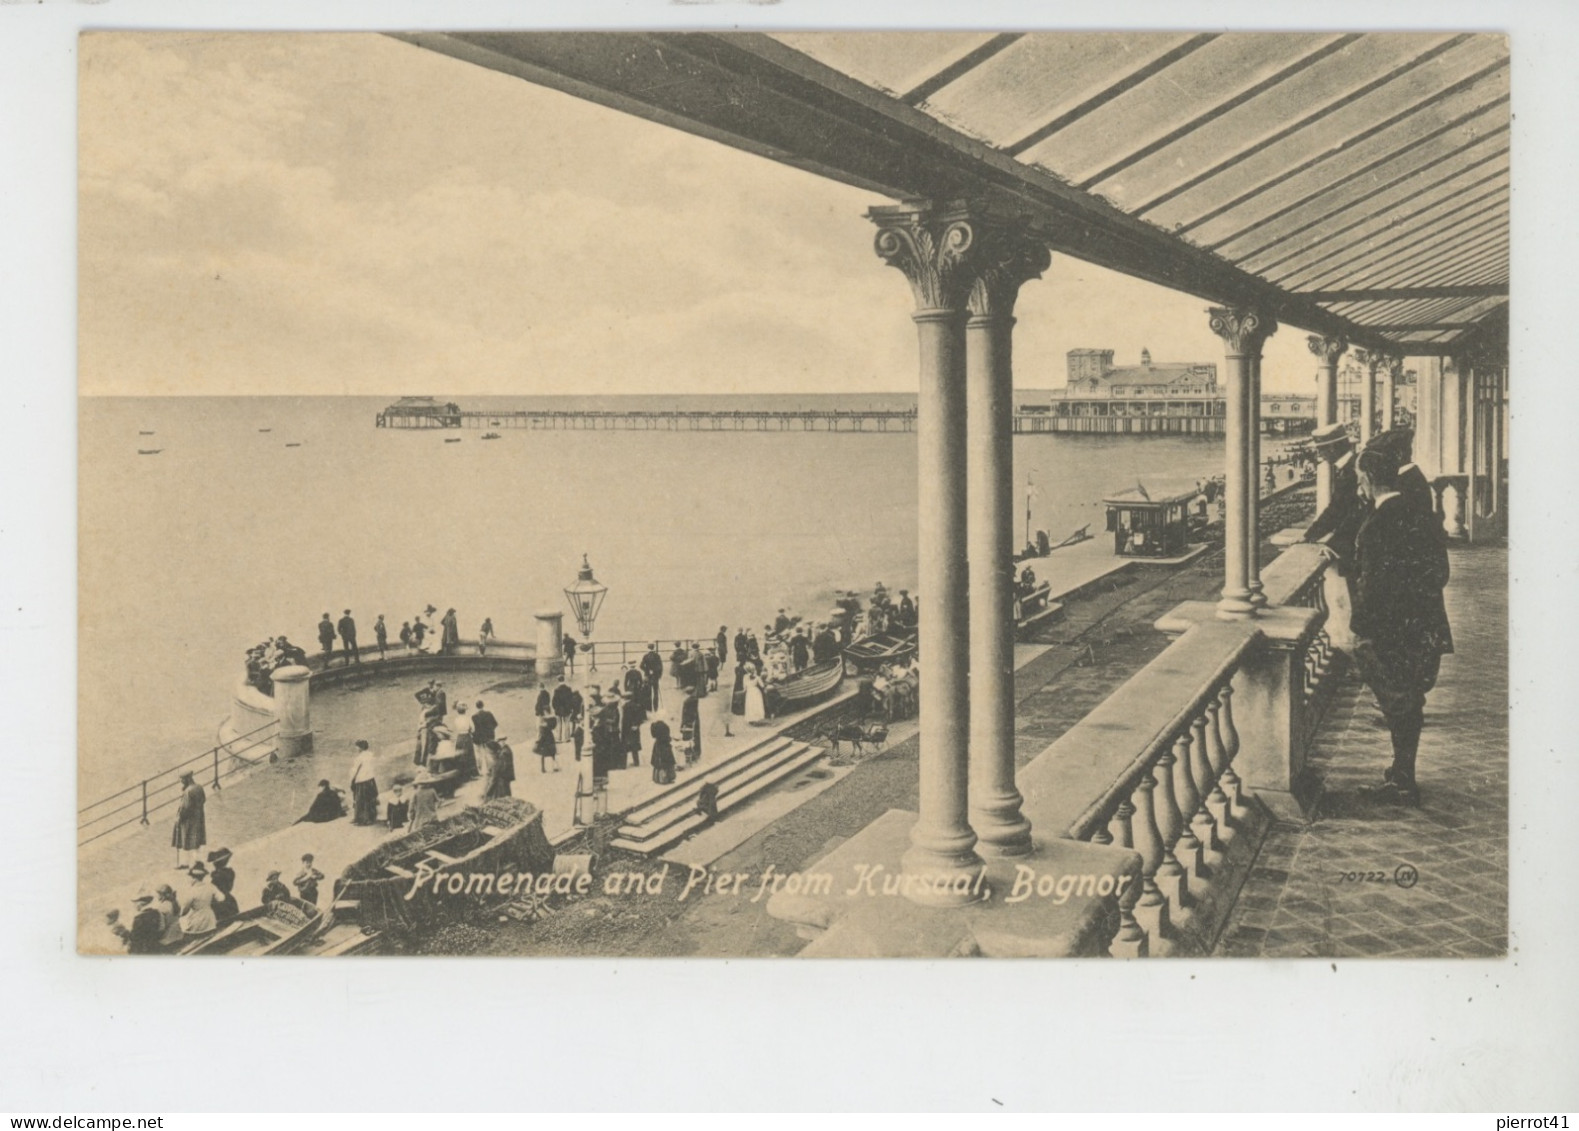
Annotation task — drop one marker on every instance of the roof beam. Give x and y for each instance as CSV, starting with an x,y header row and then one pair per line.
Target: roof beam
x,y
1350,142
1247,256
1108,94
958,69
1294,127
1219,110
1422,327
1411,236
1387,294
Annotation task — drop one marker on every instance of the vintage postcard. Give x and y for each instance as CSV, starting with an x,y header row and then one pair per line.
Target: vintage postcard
x,y
865,494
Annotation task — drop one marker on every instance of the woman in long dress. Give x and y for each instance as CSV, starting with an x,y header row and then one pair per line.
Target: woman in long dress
x,y
501,771
424,802
662,756
190,832
756,710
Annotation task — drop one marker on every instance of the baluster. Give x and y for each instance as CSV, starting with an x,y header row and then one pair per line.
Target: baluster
x,y
1171,876
1131,937
1189,851
1204,779
1217,755
1232,787
1152,906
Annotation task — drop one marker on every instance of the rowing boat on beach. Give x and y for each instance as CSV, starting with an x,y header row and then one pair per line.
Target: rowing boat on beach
x,y
277,927
426,877
807,686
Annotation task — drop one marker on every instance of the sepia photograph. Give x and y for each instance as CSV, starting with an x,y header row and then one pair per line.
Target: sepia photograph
x,y
769,494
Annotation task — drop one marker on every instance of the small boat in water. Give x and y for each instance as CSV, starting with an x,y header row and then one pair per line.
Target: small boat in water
x,y
490,436
149,451
452,439
297,445
265,429
277,927
145,433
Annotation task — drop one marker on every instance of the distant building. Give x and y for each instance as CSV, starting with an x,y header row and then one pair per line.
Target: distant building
x,y
1093,374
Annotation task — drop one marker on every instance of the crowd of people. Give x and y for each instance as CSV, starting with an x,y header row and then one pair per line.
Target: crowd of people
x,y
339,639
167,918
264,659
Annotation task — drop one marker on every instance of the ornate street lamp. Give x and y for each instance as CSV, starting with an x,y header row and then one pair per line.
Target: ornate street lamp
x,y
586,597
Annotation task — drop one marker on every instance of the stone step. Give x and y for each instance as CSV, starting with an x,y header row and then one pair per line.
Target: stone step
x,y
745,787
685,790
681,799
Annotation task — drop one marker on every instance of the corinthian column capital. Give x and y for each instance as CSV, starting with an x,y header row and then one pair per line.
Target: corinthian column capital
x,y
1007,256
1328,349
933,247
1242,329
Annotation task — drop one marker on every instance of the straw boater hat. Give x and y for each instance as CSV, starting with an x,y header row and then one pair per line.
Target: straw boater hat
x,y
219,856
1330,435
143,896
274,874
197,869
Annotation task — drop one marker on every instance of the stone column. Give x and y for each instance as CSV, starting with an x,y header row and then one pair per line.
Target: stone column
x,y
1008,257
931,246
550,643
1373,362
1330,350
1253,496
1325,414
1389,373
292,709
1242,330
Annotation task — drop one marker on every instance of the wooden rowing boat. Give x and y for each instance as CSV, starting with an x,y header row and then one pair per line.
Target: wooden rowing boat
x,y
808,685
871,652
392,888
277,927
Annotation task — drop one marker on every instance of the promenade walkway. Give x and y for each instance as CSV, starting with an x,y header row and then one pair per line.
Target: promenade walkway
x,y
1311,894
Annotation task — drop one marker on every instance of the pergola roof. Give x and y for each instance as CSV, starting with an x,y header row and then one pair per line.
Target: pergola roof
x,y
1357,184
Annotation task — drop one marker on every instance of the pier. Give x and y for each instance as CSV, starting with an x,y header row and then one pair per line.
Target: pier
x,y
1196,416
409,415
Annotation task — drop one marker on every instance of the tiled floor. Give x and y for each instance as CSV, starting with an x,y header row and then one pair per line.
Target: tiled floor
x,y
1341,885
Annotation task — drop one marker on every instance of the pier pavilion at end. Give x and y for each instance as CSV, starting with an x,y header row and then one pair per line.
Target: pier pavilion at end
x,y
1353,188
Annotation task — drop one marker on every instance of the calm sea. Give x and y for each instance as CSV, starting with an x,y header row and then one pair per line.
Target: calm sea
x,y
188,557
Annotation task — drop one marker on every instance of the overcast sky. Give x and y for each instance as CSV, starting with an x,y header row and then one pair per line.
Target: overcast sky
x,y
315,213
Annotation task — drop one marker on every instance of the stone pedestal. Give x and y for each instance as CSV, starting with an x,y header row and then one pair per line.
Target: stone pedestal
x,y
1058,901
1269,705
292,708
550,643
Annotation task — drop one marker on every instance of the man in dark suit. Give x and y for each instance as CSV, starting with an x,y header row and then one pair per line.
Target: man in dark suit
x,y
1412,483
563,702
347,627
632,716
652,671
1339,523
1399,620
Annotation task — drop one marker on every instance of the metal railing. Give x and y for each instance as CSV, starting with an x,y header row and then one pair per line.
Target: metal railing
x,y
592,654
135,803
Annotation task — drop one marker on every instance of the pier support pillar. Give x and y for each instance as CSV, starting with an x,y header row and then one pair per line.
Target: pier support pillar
x,y
550,643
932,246
1009,258
292,708
1243,331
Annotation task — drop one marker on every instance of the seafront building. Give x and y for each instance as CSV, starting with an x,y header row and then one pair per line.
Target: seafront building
x,y
1351,188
